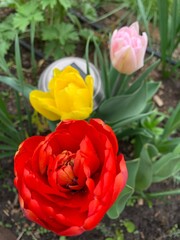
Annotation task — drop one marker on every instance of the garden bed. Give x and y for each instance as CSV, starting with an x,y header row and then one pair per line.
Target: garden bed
x,y
144,220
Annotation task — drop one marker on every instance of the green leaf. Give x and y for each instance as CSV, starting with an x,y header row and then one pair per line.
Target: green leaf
x,y
116,126
88,11
5,45
7,34
163,26
166,166
14,83
67,33
18,61
174,26
66,4
144,16
129,132
7,154
60,39
132,167
177,149
120,203
4,147
8,140
144,174
6,28
3,106
129,225
48,3
142,77
168,145
173,122
152,88
27,13
6,3
118,108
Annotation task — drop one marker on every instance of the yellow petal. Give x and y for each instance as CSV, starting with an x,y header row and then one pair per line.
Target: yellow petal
x,y
77,115
43,103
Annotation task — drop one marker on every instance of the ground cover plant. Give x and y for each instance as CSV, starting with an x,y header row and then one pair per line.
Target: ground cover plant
x,y
129,123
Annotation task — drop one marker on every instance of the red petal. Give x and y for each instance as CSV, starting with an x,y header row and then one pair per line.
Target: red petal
x,y
107,130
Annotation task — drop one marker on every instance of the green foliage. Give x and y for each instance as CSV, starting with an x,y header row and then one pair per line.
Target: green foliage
x,y
60,39
169,27
88,11
53,24
159,159
129,225
150,9
145,172
120,203
109,112
7,34
10,137
26,14
132,101
6,3
127,192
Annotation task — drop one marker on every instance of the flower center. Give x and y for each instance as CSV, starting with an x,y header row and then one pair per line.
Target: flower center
x,y
64,170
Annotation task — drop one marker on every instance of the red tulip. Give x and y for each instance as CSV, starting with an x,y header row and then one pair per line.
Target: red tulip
x,y
67,180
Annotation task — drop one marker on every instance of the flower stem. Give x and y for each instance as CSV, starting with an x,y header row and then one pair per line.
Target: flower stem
x,y
162,194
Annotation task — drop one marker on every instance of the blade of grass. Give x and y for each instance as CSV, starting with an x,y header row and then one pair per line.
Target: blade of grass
x,y
5,147
4,66
14,83
104,74
33,59
163,27
87,53
173,26
144,16
18,61
7,154
122,6
8,140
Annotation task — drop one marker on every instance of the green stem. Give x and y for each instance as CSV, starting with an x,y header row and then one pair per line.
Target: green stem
x,y
116,85
162,194
33,60
120,84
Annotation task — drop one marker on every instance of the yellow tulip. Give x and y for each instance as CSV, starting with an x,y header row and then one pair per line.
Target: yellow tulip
x,y
69,96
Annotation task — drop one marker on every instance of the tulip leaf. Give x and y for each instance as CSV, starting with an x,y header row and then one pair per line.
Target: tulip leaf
x,y
142,77
168,145
145,171
152,88
173,122
118,108
177,149
132,167
119,124
120,203
16,85
166,166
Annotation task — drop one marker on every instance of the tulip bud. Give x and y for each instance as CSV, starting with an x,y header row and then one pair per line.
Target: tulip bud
x,y
127,49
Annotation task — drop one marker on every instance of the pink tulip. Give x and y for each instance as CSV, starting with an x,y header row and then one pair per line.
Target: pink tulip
x,y
127,49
